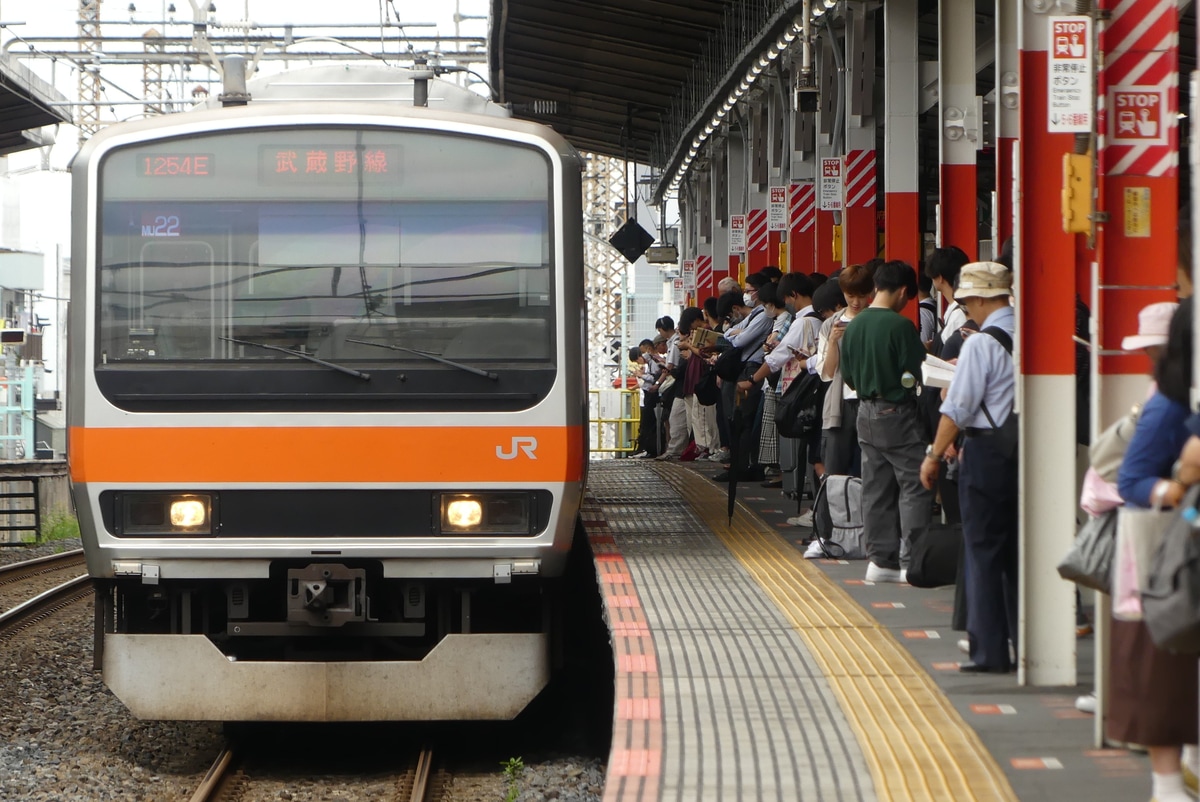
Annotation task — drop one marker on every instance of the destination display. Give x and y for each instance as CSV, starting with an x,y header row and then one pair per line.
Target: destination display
x,y
328,163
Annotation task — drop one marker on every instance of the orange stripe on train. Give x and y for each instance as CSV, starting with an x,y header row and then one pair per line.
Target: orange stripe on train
x,y
335,454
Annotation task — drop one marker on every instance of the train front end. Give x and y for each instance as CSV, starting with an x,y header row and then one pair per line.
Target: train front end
x,y
327,409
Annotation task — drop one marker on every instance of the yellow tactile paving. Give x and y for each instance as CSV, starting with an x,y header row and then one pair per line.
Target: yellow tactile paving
x,y
916,744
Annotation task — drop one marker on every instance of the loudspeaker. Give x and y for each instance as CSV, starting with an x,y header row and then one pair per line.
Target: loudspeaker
x,y
631,240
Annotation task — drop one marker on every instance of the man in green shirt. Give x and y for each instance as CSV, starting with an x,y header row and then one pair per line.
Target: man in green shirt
x,y
882,354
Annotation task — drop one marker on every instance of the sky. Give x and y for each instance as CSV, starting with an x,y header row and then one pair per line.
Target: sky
x,y
30,19
44,194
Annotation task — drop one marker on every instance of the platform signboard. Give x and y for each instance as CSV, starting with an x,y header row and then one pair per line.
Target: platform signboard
x,y
737,233
678,292
689,275
831,188
777,209
1136,115
1070,75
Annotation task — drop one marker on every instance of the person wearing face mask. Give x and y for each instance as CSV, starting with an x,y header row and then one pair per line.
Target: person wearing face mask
x,y
789,357
748,336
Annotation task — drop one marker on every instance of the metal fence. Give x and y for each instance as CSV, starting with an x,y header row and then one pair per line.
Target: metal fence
x,y
613,419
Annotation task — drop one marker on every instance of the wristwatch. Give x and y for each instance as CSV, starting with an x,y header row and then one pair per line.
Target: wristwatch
x,y
929,453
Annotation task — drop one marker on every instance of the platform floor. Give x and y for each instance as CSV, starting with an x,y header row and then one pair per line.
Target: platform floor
x,y
747,672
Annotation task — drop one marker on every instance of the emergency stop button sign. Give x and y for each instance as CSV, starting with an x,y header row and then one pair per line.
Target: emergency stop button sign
x,y
1137,115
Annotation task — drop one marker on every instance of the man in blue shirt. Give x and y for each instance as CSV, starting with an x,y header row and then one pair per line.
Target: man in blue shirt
x,y
979,402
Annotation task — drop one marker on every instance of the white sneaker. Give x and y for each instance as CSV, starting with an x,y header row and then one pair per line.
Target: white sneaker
x,y
814,552
964,646
1086,703
877,574
803,519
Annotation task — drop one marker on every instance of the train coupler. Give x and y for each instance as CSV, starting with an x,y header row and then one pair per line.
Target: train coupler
x,y
327,595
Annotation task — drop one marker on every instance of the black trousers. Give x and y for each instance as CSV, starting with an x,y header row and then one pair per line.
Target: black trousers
x,y
648,427
987,492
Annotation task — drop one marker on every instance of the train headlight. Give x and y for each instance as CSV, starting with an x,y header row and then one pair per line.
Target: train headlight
x,y
188,513
486,513
149,514
464,513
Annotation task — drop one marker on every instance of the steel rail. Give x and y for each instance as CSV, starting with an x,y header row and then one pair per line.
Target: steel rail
x,y
214,780
422,774
40,565
44,604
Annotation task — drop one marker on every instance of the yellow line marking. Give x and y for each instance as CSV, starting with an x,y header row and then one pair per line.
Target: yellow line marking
x,y
915,743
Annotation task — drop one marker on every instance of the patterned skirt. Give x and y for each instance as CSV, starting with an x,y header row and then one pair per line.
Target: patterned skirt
x,y
768,442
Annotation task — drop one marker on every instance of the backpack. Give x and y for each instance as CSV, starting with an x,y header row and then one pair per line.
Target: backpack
x,y
798,411
729,364
837,518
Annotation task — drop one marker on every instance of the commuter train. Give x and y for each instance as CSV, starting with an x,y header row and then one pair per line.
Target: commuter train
x,y
327,399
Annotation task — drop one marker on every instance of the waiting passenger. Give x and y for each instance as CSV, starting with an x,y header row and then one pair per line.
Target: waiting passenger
x,y
979,402
882,356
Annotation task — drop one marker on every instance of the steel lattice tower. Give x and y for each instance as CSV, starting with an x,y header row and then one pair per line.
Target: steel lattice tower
x,y
88,118
603,195
153,88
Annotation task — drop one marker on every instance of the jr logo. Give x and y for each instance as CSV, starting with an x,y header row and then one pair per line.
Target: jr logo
x,y
528,445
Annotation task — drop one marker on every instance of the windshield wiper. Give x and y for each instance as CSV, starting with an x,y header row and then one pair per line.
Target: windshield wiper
x,y
358,374
487,374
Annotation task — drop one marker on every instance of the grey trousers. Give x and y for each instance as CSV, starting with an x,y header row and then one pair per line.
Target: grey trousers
x,y
896,508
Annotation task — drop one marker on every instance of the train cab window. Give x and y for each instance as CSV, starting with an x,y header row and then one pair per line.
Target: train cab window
x,y
375,247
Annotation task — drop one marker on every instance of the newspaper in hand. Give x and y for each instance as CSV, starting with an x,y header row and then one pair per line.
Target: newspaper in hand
x,y
936,372
705,338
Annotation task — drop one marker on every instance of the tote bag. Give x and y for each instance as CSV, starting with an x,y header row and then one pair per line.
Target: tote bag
x,y
1171,600
1139,534
1089,561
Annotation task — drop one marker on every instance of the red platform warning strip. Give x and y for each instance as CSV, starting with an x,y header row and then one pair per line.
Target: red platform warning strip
x,y
635,761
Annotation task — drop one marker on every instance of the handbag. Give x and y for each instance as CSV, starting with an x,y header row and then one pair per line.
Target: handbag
x,y
1090,558
1139,534
1108,449
1171,598
707,392
729,364
934,557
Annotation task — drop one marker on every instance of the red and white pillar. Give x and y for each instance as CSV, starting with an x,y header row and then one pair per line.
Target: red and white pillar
x,y
1008,118
956,108
1045,276
802,226
1139,187
859,228
901,200
758,252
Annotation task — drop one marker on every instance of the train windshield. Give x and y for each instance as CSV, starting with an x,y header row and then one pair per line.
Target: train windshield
x,y
360,246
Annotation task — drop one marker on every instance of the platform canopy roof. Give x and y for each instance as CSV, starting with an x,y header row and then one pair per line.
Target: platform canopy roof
x,y
26,104
610,67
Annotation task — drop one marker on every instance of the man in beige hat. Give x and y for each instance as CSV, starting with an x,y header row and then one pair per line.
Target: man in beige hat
x,y
979,402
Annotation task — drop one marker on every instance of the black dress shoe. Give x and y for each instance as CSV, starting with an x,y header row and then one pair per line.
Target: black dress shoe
x,y
976,668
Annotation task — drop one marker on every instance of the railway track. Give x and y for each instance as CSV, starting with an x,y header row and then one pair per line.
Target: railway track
x,y
227,780
48,598
41,566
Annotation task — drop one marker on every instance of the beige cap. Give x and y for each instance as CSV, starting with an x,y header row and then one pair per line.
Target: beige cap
x,y
983,280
